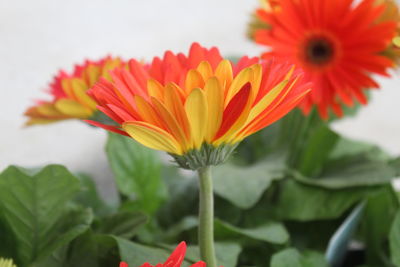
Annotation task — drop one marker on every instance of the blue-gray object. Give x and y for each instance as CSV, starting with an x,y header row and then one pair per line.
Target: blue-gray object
x,y
338,243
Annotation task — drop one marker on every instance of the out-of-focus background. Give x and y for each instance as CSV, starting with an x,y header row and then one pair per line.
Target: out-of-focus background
x,y
39,37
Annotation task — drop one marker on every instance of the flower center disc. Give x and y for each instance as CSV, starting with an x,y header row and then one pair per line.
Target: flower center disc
x,y
319,51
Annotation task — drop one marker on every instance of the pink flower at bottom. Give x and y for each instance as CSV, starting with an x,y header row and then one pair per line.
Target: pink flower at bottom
x,y
175,260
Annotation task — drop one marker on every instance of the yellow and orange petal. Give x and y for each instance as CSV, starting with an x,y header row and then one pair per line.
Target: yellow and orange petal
x,y
69,93
201,100
339,45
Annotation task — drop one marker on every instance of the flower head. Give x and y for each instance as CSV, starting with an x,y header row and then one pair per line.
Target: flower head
x,y
338,44
175,260
198,107
70,100
6,263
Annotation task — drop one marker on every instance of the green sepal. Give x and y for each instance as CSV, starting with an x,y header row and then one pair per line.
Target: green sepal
x,y
207,155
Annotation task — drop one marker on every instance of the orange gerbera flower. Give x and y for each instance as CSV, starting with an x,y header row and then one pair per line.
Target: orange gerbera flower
x,y
339,44
197,107
70,100
175,260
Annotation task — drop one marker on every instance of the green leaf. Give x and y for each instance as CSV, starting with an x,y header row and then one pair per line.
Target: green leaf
x,y
244,186
8,244
395,164
290,257
183,197
71,225
271,232
89,197
353,171
57,259
123,224
394,239
94,250
136,254
380,211
346,147
317,149
175,230
137,171
301,202
279,137
226,253
36,210
353,164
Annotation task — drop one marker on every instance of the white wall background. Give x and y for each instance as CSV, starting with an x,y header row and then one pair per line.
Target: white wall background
x,y
38,37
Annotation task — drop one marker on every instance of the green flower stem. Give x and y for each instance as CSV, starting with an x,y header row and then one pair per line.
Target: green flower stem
x,y
206,217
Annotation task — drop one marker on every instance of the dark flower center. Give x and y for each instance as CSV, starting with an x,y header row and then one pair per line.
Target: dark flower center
x,y
319,51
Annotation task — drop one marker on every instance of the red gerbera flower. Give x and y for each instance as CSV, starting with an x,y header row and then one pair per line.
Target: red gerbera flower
x,y
175,260
339,44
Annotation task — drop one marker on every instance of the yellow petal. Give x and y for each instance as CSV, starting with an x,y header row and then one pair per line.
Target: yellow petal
x,y
289,88
108,66
172,124
67,88
175,106
92,74
155,89
152,136
215,101
250,123
34,121
224,73
241,79
248,129
290,73
193,80
266,100
256,79
205,70
49,110
72,108
197,113
79,88
147,112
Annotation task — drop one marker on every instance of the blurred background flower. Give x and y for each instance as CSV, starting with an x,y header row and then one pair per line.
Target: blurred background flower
x,y
339,44
70,99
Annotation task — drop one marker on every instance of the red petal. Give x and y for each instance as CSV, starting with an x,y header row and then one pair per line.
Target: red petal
x,y
176,258
234,109
106,127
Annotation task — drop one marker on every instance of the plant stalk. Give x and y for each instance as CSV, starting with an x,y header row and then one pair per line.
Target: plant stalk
x,y
206,217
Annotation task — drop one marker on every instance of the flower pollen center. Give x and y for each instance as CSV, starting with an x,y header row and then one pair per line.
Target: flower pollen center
x,y
319,51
